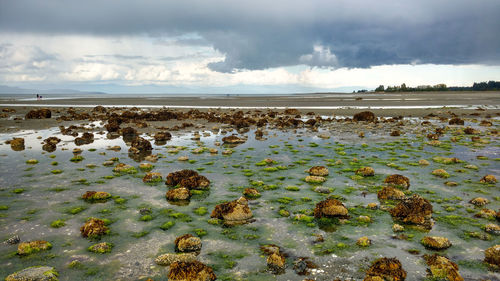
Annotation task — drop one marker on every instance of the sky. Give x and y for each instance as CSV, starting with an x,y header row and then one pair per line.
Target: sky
x,y
258,46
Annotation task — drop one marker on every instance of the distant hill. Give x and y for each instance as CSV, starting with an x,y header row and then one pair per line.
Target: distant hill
x,y
16,90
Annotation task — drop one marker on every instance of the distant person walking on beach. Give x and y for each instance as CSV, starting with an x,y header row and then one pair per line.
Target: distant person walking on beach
x,y
37,97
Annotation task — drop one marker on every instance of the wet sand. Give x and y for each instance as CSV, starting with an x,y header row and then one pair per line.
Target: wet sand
x,y
443,104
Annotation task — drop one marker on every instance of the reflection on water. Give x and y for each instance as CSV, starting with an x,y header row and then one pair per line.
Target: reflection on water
x,y
35,197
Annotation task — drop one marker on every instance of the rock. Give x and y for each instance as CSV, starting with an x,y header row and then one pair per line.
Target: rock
x,y
372,206
397,228
471,131
291,111
34,273
151,158
124,168
236,210
315,179
442,268
183,158
99,109
13,240
301,264
129,133
227,152
486,213
451,183
413,210
423,162
49,147
152,178
101,248
479,201
492,255
188,179
367,116
441,173
190,271
363,242
233,139
86,138
167,259
188,243
488,179
397,181
96,196
251,193
330,208
436,242
365,219
39,114
94,228
146,166
365,171
390,193
180,193
276,263
320,171
17,144
28,248
456,121
492,229
322,189
162,136
395,133
140,145
385,269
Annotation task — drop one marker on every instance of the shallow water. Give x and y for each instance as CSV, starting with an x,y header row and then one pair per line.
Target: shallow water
x,y
234,252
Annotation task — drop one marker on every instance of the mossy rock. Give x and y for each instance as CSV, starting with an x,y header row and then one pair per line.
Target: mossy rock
x,y
28,248
101,248
38,273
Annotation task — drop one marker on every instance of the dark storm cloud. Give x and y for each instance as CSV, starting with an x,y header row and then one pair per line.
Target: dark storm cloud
x,y
261,34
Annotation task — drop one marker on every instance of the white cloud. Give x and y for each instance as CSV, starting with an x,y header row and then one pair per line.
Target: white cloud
x,y
145,60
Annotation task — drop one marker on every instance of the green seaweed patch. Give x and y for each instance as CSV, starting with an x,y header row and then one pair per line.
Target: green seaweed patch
x,y
292,188
456,220
77,158
146,218
18,190
54,163
57,171
201,211
140,234
4,207
181,217
31,161
76,210
101,248
167,225
57,224
200,232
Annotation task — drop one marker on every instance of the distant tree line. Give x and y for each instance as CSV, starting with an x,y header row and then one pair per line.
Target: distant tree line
x,y
481,86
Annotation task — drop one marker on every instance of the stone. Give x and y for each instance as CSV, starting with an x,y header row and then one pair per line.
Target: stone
x,y
390,193
479,201
17,144
94,228
492,255
436,242
441,173
385,269
42,113
251,193
322,189
397,228
34,273
365,172
162,136
276,263
442,268
152,178
233,139
413,210
124,168
366,116
423,162
488,179
320,171
330,208
315,179
180,193
101,248
190,271
28,248
492,229
96,196
398,181
188,243
167,259
363,241
187,178
236,210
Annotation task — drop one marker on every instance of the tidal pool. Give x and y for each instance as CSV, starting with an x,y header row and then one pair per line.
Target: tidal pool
x,y
33,197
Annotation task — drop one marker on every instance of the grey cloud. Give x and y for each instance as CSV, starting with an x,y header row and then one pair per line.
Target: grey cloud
x,y
261,34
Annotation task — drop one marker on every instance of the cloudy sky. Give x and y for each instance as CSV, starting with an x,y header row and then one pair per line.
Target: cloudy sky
x,y
257,46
